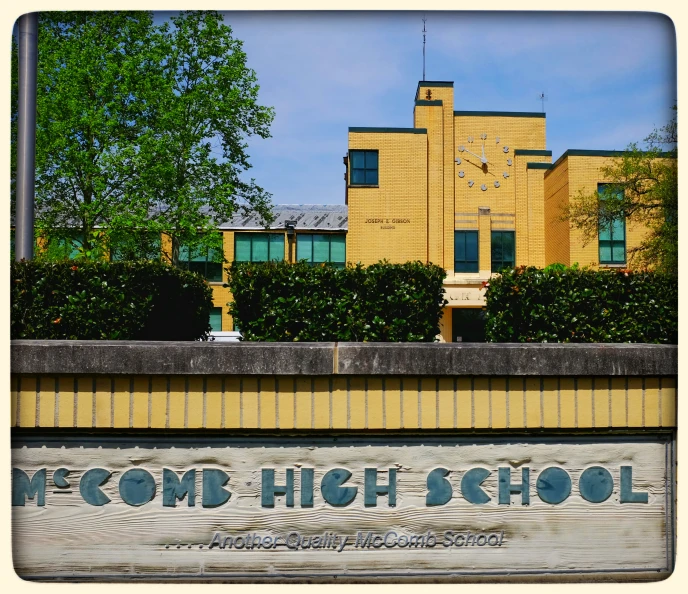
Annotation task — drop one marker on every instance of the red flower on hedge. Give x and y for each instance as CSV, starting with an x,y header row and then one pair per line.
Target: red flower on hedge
x,y
75,268
57,321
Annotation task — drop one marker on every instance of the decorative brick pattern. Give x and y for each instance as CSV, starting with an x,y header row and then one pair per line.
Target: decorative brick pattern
x,y
342,402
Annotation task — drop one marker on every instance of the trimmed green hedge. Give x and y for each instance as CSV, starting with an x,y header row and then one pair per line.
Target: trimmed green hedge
x,y
572,305
277,301
103,300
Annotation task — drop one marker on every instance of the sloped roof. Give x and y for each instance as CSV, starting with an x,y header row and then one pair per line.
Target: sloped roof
x,y
322,217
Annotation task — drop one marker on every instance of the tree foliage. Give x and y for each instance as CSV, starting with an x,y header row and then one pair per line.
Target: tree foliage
x,y
278,301
107,301
561,304
642,187
141,129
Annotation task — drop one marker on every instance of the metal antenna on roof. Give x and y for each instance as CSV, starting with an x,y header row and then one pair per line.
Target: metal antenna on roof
x,y
542,97
424,32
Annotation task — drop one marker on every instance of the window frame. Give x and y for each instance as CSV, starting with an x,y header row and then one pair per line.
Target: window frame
x,y
473,263
184,264
242,234
512,262
365,169
611,241
329,260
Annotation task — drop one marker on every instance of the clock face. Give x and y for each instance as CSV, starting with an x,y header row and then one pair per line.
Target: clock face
x,y
484,160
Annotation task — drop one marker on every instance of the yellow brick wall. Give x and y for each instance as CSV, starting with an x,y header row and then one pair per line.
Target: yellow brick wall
x,y
401,195
440,174
484,244
512,195
557,231
431,118
536,219
341,402
585,172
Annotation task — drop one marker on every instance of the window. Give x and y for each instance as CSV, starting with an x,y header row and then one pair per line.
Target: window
x,y
319,248
204,260
503,250
216,319
258,247
465,251
612,237
364,168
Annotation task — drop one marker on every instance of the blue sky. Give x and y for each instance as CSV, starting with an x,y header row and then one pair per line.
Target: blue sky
x,y
609,79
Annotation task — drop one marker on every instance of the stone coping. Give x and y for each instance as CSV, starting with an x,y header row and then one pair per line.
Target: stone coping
x,y
327,358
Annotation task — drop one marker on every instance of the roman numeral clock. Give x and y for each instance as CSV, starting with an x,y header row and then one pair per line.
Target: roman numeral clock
x,y
485,165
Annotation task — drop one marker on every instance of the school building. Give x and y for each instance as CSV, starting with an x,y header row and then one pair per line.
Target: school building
x,y
471,191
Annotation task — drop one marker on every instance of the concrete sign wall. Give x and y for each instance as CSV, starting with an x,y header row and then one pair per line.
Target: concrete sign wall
x,y
342,506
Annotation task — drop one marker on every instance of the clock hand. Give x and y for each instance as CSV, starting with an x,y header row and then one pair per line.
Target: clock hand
x,y
474,164
483,159
472,153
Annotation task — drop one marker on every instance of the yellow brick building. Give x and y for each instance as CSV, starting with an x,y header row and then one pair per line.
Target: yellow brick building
x,y
471,191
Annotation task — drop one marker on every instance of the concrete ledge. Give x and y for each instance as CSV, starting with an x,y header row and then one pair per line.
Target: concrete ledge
x,y
326,358
507,359
170,358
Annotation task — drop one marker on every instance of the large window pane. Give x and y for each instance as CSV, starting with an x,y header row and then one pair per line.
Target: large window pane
x,y
358,176
260,248
216,319
612,237
317,248
503,250
371,177
465,251
242,247
203,260
321,248
605,252
338,249
276,246
364,168
358,159
618,252
618,230
304,247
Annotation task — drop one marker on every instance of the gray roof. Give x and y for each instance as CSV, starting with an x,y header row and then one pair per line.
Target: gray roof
x,y
322,217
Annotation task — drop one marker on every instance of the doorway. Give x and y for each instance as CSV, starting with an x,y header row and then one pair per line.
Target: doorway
x,y
468,324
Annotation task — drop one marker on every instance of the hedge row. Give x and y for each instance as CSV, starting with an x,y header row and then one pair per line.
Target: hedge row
x,y
102,300
277,301
572,305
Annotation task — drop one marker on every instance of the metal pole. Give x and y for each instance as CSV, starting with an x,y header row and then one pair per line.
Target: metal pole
x,y
26,136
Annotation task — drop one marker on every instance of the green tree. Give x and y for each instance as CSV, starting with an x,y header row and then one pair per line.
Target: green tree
x,y
204,103
141,130
642,188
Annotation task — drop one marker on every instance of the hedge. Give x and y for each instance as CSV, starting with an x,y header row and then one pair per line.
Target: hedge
x,y
103,300
573,305
277,301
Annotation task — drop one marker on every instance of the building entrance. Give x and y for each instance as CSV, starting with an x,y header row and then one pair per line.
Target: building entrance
x,y
468,324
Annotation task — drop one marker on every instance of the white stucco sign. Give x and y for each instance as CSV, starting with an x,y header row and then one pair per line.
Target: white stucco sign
x,y
320,507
